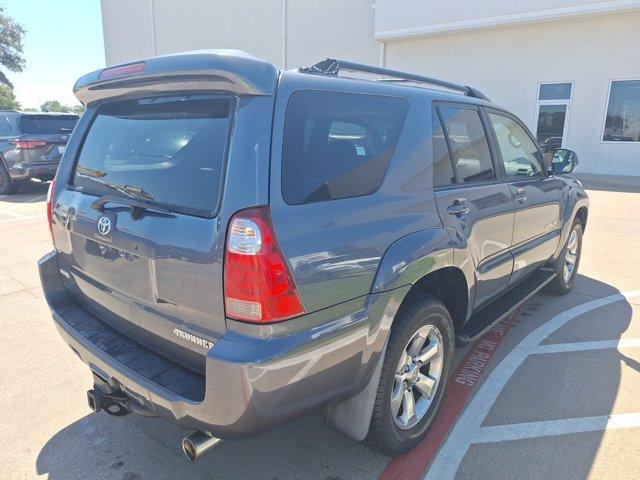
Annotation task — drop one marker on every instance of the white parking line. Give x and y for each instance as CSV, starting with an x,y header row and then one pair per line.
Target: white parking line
x,y
521,431
37,198
582,346
469,425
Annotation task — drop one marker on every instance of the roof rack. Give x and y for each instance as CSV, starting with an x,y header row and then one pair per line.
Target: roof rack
x,y
333,67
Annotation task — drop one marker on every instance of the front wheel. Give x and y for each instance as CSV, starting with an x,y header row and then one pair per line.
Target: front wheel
x,y
414,375
566,267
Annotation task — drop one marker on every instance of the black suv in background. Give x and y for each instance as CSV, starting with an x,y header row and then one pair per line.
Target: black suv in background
x,y
31,145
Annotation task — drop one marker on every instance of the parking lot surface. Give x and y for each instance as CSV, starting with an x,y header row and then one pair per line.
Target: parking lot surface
x,y
559,396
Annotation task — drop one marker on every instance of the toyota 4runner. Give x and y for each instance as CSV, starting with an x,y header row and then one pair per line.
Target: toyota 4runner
x,y
237,245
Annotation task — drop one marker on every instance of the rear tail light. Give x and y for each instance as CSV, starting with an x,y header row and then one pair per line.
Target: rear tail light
x,y
52,186
28,144
258,285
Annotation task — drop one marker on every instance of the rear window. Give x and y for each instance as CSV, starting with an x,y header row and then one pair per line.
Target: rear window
x,y
47,124
167,150
338,145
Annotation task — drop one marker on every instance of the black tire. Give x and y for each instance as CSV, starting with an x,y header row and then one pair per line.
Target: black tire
x,y
560,285
6,184
384,435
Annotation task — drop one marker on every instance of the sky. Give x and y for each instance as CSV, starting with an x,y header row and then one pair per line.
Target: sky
x,y
63,42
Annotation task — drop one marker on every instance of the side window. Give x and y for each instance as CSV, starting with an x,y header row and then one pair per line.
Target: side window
x,y
469,145
442,166
338,145
5,128
519,154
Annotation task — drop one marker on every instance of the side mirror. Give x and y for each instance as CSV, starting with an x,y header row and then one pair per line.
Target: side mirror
x,y
563,161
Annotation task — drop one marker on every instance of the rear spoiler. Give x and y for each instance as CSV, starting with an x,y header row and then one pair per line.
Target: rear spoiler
x,y
207,70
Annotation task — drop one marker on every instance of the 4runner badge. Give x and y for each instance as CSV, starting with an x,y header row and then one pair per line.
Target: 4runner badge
x,y
192,338
104,225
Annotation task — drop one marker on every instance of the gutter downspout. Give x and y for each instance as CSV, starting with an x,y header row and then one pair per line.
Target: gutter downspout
x,y
382,58
283,59
152,8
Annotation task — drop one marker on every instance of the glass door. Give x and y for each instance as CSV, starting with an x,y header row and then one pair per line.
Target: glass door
x,y
552,116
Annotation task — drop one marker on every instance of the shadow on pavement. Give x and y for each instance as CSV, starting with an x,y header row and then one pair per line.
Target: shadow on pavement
x,y
27,191
559,386
609,183
136,448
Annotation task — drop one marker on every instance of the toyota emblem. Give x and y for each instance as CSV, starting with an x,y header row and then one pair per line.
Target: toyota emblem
x,y
104,225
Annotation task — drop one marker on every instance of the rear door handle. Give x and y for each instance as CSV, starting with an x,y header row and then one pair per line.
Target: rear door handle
x,y
460,206
520,196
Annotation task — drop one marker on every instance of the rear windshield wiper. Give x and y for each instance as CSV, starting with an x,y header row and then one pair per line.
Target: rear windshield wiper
x,y
130,190
137,199
137,206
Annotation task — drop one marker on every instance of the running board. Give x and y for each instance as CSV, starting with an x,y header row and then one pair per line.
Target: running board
x,y
503,306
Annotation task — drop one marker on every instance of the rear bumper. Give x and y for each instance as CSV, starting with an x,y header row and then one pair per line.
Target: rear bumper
x,y
251,383
25,171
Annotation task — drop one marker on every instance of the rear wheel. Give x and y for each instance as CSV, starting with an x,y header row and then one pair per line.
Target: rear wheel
x,y
566,267
414,375
6,185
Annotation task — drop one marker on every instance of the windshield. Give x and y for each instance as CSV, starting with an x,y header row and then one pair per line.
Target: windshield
x,y
166,150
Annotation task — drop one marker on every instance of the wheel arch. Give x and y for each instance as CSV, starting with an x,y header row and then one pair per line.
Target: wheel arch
x,y
447,284
425,261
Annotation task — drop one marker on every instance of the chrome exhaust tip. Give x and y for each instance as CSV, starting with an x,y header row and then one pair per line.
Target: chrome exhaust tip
x,y
197,444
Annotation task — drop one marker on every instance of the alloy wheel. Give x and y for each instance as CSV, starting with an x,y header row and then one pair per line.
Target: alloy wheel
x,y
571,256
417,377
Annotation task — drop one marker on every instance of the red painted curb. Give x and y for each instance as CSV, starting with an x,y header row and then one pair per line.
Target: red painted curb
x,y
413,465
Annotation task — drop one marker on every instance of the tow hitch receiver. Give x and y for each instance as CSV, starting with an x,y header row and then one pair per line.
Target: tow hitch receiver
x,y
116,403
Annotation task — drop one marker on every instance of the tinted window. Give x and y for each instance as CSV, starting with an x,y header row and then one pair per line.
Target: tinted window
x,y
5,128
166,150
469,146
623,113
337,145
47,124
442,167
551,120
555,91
519,153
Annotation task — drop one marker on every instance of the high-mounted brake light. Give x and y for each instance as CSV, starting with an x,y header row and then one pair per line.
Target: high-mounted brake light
x,y
52,186
122,71
258,285
28,144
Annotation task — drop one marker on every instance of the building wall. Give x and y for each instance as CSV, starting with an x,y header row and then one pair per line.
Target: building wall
x,y
314,30
507,63
406,18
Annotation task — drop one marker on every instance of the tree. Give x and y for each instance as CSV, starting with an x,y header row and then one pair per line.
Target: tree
x,y
11,33
54,106
8,99
78,110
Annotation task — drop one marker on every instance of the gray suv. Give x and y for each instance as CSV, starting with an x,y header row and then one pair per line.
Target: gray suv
x,y
31,145
237,245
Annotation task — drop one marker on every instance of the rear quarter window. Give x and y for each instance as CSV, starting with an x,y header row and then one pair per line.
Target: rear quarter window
x,y
338,145
166,150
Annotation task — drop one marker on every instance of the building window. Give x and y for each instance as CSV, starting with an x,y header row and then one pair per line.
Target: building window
x,y
552,115
622,123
